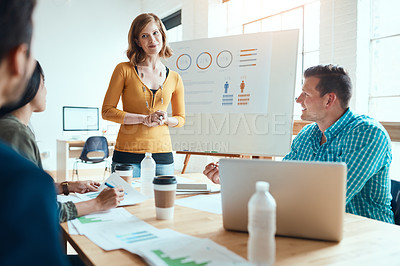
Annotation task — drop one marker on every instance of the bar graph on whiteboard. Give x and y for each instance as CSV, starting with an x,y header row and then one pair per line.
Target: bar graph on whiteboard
x,y
248,57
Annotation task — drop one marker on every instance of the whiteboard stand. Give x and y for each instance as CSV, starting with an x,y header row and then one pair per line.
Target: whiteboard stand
x,y
229,155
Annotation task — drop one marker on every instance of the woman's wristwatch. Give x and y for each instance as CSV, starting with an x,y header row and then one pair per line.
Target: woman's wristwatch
x,y
65,188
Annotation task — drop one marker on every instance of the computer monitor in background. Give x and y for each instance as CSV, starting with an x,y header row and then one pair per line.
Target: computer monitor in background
x,y
80,118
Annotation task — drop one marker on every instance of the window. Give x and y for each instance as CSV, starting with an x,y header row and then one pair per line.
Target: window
x,y
173,24
384,94
306,19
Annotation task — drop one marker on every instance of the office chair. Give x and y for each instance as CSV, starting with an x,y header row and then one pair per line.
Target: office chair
x,y
395,191
94,146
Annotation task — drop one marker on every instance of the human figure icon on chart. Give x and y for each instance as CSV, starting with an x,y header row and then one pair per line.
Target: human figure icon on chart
x,y
243,98
242,86
226,86
227,99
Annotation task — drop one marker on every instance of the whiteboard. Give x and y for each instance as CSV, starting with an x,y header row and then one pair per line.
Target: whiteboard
x,y
239,93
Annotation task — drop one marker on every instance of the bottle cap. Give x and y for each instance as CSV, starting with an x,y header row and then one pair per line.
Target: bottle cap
x,y
262,186
148,154
123,167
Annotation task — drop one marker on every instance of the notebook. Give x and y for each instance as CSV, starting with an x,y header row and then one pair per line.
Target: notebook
x,y
310,196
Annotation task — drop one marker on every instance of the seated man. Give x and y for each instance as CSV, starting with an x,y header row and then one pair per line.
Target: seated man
x,y
339,135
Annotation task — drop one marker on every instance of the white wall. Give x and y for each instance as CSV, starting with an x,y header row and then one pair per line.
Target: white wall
x,y
345,40
78,43
194,15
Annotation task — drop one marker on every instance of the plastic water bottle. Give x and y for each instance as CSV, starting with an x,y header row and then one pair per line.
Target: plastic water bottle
x,y
147,174
261,226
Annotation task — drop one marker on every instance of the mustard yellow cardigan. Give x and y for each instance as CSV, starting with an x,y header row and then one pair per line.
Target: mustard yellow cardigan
x,y
125,83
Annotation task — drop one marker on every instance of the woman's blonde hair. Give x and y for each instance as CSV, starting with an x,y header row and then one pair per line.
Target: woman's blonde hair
x,y
135,53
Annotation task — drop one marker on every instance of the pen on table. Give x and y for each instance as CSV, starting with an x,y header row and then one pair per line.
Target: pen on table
x,y
109,185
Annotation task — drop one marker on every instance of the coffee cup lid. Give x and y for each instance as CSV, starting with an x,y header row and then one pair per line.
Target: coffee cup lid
x,y
164,180
123,167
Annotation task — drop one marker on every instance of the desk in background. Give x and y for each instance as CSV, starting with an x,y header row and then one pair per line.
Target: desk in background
x,y
365,241
71,149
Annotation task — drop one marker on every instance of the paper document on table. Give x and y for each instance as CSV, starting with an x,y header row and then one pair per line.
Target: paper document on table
x,y
74,198
185,250
131,197
209,203
71,229
101,220
180,179
124,234
136,182
71,197
191,188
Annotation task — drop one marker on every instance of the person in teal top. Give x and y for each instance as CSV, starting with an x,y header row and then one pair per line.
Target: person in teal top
x,y
339,135
364,145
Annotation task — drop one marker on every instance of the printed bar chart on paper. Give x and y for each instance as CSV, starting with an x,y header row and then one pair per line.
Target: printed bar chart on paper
x,y
85,220
185,250
90,195
124,234
136,237
102,219
184,261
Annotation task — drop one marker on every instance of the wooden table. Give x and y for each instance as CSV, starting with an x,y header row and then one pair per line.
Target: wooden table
x,y
365,242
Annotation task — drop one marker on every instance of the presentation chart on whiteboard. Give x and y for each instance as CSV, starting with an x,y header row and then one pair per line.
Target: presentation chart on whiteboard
x,y
224,75
239,93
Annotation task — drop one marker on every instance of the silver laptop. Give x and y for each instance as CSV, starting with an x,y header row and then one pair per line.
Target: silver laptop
x,y
310,196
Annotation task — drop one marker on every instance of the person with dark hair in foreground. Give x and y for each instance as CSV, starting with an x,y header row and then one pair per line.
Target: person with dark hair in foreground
x,y
30,228
339,135
14,130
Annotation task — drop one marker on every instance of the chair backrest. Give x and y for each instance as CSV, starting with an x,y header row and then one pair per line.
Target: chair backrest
x,y
395,190
95,144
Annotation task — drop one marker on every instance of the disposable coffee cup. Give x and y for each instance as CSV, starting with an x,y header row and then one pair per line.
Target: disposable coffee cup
x,y
164,196
125,171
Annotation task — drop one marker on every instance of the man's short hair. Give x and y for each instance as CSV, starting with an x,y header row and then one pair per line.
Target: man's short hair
x,y
15,24
332,78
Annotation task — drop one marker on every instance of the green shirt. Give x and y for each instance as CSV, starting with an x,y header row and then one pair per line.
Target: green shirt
x,y
20,137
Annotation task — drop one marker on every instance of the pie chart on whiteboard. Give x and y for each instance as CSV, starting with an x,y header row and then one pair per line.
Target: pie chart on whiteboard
x,y
183,62
224,59
204,60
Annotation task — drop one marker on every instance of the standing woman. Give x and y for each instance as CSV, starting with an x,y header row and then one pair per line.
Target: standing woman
x,y
146,88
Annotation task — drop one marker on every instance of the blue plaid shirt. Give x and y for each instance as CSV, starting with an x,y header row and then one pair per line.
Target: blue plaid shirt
x,y
364,145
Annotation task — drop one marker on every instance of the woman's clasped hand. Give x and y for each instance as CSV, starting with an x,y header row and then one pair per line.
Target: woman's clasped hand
x,y
155,119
